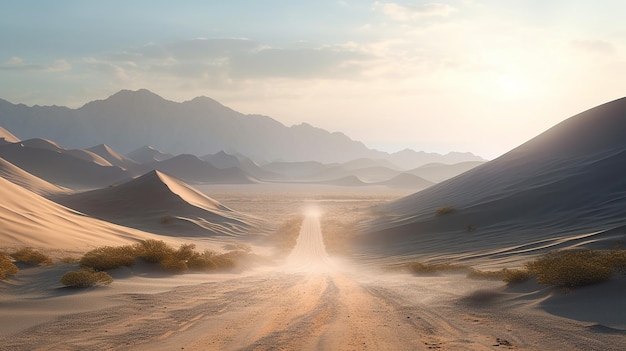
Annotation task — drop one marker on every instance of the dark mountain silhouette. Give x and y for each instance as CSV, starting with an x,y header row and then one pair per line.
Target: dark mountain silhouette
x,y
129,119
555,190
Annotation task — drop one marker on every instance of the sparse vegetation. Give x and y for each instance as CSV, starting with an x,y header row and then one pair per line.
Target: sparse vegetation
x,y
572,268
85,278
516,276
166,219
444,210
435,268
285,237
32,257
488,275
7,267
108,257
158,252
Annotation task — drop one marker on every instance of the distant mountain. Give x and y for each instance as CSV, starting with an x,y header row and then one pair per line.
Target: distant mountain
x,y
564,188
407,180
192,169
438,172
129,119
147,154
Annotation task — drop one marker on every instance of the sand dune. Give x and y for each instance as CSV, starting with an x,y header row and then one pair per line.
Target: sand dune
x,y
62,168
7,137
78,153
31,220
161,204
28,181
407,180
565,184
113,157
438,172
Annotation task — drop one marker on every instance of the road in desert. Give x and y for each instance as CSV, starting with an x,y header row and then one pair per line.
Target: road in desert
x,y
315,302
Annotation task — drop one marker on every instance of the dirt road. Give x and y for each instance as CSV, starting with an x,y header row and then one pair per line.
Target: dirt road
x,y
316,303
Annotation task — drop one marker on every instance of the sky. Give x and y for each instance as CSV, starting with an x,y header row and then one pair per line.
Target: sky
x,y
479,76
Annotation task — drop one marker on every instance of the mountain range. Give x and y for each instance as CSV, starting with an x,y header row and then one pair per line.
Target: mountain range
x,y
129,120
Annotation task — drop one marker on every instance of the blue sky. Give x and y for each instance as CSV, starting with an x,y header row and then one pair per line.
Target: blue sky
x,y
467,75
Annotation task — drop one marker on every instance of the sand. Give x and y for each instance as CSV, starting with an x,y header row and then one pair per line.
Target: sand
x,y
342,307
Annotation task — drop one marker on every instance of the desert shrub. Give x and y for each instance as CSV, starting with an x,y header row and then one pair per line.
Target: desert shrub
x,y
285,237
444,210
108,257
153,251
174,265
184,252
85,278
572,268
29,256
435,268
515,276
617,259
166,219
488,275
202,261
7,267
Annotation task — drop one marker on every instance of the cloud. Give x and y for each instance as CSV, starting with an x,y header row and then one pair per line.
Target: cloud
x,y
238,59
18,64
595,46
413,12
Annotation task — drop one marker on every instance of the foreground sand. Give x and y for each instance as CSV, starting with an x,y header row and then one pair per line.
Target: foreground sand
x,y
316,303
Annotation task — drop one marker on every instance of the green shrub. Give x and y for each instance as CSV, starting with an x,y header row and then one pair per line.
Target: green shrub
x,y
85,278
108,257
29,256
444,210
7,267
572,268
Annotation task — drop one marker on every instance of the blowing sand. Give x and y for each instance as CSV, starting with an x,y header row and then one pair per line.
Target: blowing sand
x,y
335,305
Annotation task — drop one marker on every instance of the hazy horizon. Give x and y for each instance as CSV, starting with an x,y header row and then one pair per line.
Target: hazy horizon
x,y
461,75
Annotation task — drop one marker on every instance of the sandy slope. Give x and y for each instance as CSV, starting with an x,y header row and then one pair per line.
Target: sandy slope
x,y
341,307
28,219
159,203
561,189
26,180
7,136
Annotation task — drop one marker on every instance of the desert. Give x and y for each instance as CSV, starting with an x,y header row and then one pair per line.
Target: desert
x,y
313,262
326,175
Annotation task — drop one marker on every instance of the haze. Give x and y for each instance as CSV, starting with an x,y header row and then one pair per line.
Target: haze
x,y
466,75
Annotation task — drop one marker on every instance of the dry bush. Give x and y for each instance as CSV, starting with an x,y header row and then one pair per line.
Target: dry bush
x,y
154,251
108,257
444,210
202,261
286,235
488,275
435,268
85,278
7,267
29,256
515,276
572,268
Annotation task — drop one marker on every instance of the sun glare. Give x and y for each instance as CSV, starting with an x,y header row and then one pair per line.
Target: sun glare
x,y
312,210
511,86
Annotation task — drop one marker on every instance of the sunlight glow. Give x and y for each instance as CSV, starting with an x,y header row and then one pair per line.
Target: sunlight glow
x,y
312,210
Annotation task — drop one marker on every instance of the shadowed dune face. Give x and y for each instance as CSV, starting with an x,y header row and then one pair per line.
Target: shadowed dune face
x,y
161,204
28,181
564,183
